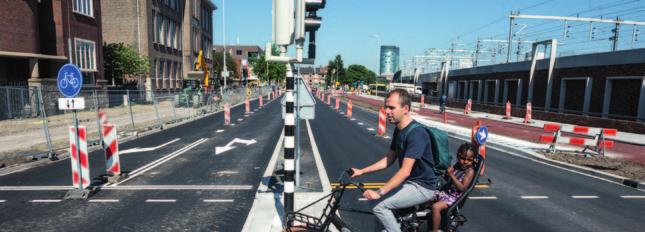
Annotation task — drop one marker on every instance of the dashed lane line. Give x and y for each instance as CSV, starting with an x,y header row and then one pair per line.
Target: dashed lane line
x,y
3,201
219,200
45,201
219,131
584,197
633,197
161,200
35,188
534,197
483,198
179,187
370,129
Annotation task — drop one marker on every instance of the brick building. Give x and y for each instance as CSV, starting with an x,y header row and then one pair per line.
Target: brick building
x,y
170,32
241,54
37,37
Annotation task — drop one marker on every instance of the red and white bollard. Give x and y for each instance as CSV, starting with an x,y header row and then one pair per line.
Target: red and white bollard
x,y
80,161
382,127
349,109
337,103
227,114
468,107
508,110
103,118
529,111
422,101
247,105
111,148
260,99
329,99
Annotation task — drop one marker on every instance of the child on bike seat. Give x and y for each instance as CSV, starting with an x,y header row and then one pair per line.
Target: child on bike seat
x,y
459,175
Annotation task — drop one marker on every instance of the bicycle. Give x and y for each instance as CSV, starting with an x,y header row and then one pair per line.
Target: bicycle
x,y
411,219
68,79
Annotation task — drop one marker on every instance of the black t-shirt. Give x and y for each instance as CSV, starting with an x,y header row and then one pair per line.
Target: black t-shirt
x,y
417,146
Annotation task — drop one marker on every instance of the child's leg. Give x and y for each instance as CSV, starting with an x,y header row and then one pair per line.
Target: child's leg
x,y
436,214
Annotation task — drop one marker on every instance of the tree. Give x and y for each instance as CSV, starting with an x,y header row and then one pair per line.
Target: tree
x,y
124,64
231,66
357,72
336,71
269,71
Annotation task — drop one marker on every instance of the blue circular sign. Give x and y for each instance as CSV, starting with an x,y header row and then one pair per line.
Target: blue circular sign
x,y
482,135
69,80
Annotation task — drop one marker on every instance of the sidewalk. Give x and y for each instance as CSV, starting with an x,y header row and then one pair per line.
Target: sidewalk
x,y
628,146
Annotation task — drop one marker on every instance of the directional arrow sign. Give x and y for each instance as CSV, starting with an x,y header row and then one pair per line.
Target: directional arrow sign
x,y
137,149
219,150
482,135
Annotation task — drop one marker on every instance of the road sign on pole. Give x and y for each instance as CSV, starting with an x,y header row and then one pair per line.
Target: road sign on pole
x,y
482,135
69,80
77,103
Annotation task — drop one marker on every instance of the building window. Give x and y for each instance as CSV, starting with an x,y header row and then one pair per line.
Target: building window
x,y
173,35
238,52
85,54
158,25
154,26
84,7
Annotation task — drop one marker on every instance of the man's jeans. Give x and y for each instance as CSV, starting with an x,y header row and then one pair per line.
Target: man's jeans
x,y
408,195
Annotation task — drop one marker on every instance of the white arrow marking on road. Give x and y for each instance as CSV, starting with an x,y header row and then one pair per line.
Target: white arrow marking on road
x,y
219,150
219,131
136,149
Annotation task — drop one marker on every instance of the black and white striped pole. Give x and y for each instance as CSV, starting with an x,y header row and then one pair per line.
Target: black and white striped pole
x,y
289,143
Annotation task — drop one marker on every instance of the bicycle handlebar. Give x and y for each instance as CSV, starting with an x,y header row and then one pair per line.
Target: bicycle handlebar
x,y
358,185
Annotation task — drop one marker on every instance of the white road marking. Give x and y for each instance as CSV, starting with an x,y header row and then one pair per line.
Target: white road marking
x,y
34,188
162,200
360,123
322,173
232,124
226,172
483,198
137,149
352,119
3,201
266,177
219,131
241,119
179,187
362,199
534,197
633,197
387,137
161,160
584,197
104,200
45,201
218,200
370,129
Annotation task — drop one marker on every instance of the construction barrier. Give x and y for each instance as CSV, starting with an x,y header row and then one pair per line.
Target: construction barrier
x,y
422,101
337,103
349,109
111,149
329,99
260,99
227,114
468,108
598,144
382,127
508,110
80,161
103,118
269,97
247,105
445,117
528,115
482,147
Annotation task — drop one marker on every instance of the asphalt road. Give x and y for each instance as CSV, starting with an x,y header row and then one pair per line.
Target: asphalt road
x,y
186,187
526,195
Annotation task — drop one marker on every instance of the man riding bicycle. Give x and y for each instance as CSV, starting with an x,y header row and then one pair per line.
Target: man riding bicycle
x,y
415,182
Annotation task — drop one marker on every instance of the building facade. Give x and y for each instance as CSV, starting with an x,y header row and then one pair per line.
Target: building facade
x,y
37,37
313,76
169,32
242,55
389,60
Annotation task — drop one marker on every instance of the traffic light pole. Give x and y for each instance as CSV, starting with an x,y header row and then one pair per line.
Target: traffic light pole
x,y
289,142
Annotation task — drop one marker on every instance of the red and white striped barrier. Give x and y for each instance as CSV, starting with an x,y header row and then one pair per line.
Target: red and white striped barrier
x,y
260,99
111,148
422,101
468,108
103,118
269,96
329,99
349,109
528,115
227,114
247,105
337,103
508,110
597,144
382,127
80,161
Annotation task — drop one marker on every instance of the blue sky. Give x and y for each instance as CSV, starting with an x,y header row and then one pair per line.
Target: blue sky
x,y
413,25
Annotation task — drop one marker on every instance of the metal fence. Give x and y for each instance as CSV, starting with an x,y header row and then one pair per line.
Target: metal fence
x,y
32,125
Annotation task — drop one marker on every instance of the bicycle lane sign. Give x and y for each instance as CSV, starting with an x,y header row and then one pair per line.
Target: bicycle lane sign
x,y
69,80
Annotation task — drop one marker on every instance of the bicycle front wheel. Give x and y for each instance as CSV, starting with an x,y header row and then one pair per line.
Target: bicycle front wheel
x,y
339,224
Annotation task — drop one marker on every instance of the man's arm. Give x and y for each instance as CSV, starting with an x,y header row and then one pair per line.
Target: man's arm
x,y
381,164
400,176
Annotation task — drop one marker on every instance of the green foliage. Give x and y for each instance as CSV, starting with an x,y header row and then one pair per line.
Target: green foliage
x,y
269,71
123,63
231,66
336,71
357,72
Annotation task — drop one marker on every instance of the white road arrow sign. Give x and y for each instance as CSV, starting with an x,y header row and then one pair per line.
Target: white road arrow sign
x,y
138,149
482,135
219,150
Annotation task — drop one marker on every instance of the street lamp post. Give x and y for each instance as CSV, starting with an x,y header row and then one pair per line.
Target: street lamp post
x,y
378,50
224,70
